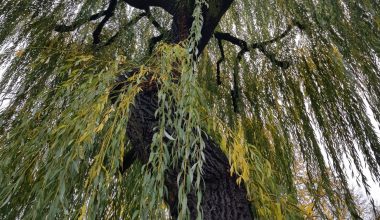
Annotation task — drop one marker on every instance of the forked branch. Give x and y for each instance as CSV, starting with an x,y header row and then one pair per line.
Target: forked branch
x,y
68,28
108,14
133,21
245,47
76,24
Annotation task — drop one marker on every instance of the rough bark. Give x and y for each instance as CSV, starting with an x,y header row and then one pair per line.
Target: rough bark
x,y
222,197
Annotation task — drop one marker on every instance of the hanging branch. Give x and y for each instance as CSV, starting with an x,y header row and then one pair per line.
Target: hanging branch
x,y
235,88
221,59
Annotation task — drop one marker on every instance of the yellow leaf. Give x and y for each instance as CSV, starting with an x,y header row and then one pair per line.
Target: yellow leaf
x,y
19,53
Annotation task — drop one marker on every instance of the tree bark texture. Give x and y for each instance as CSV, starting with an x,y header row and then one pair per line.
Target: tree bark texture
x,y
222,198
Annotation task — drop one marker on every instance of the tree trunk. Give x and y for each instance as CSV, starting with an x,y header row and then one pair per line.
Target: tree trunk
x,y
222,197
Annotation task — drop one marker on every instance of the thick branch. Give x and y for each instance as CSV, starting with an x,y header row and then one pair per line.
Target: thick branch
x,y
155,23
234,40
167,5
128,160
211,17
108,14
153,41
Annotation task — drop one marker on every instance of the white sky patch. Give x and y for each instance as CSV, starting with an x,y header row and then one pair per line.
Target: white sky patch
x,y
349,169
4,101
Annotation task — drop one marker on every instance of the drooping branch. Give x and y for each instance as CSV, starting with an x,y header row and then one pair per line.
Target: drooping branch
x,y
235,88
220,60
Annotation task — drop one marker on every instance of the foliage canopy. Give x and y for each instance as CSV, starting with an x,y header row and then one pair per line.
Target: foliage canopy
x,y
280,79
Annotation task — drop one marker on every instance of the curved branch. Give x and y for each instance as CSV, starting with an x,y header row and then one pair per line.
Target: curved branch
x,y
108,14
234,40
260,46
153,41
278,38
244,47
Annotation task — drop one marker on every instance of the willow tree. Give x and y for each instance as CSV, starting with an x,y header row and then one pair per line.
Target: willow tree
x,y
185,109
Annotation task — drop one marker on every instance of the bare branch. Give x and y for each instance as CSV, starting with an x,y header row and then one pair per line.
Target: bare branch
x,y
133,21
155,23
260,46
234,40
244,47
153,41
108,14
78,23
167,5
281,36
221,59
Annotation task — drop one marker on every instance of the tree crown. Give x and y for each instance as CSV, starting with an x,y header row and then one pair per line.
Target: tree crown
x,y
270,81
